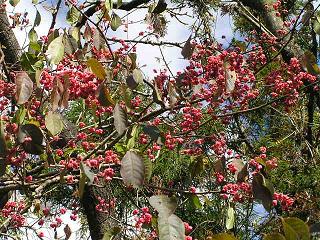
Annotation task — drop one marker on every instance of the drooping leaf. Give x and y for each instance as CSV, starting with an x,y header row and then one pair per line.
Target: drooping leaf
x,y
104,96
55,50
70,44
223,236
230,218
67,232
196,167
131,82
230,77
187,49
87,172
115,22
261,191
196,201
120,119
147,169
171,228
119,3
274,236
73,15
33,36
160,7
14,2
163,204
24,87
295,229
54,123
137,75
97,68
82,184
35,146
108,5
98,40
132,169
37,20
134,135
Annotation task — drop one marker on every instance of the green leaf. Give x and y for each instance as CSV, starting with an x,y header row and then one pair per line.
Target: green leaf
x,y
148,169
115,22
70,44
132,169
274,236
120,119
295,229
97,68
196,167
133,138
171,228
35,146
109,234
33,36
261,191
54,123
20,115
73,15
230,218
163,204
14,2
37,20
55,50
119,3
196,201
223,236
24,87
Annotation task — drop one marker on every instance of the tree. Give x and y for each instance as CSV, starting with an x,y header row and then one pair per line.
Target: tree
x,y
83,131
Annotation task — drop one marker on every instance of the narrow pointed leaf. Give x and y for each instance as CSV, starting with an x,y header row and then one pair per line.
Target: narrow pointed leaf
x,y
120,119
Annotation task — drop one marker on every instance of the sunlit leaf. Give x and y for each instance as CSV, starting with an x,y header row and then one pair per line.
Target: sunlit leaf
x,y
37,20
54,123
33,36
24,87
230,218
73,15
55,50
132,169
97,68
14,2
115,22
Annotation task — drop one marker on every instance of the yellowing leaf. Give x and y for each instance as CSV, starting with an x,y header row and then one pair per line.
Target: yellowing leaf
x,y
97,68
54,123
